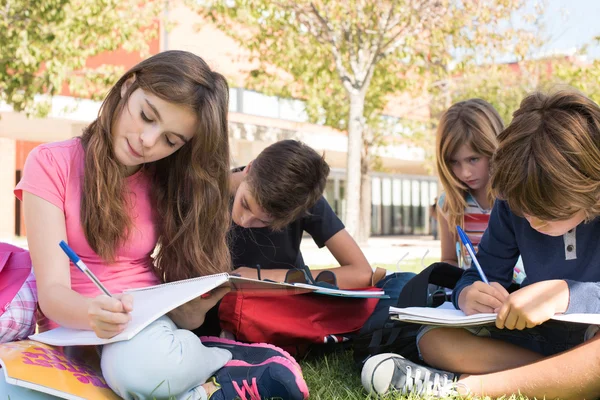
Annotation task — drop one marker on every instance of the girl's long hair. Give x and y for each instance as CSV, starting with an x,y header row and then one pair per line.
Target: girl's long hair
x,y
189,188
477,124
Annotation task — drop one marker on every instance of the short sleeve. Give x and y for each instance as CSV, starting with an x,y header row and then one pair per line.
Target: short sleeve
x,y
44,177
440,205
321,222
441,200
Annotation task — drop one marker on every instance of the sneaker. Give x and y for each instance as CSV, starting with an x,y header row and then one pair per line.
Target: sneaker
x,y
385,372
252,353
275,378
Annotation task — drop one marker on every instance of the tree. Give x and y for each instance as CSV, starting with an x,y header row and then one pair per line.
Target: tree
x,y
46,43
345,58
505,85
502,85
584,77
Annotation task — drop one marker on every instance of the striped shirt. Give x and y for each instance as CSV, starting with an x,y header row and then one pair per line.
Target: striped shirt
x,y
475,223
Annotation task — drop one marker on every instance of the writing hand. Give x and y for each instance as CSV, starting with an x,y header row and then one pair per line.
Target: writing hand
x,y
109,316
482,298
533,305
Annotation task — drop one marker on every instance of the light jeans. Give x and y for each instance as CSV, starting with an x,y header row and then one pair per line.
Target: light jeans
x,y
159,362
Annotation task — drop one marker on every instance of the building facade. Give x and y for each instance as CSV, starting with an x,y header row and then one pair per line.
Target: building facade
x,y
401,196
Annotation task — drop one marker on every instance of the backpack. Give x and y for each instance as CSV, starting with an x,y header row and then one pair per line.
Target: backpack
x,y
381,334
18,294
298,323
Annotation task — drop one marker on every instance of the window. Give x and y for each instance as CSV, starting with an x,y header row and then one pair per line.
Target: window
x,y
259,104
233,99
292,110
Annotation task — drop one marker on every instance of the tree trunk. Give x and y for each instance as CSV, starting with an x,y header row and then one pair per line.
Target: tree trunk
x,y
364,230
353,167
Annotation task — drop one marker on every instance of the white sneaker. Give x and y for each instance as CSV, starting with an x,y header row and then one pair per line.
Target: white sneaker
x,y
385,372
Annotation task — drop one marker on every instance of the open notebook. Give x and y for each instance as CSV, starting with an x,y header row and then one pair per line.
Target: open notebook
x,y
447,315
153,302
51,370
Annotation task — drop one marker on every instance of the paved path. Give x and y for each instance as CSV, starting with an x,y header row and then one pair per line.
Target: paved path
x,y
380,250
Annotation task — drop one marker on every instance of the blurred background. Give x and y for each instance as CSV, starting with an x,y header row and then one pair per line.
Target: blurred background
x,y
361,81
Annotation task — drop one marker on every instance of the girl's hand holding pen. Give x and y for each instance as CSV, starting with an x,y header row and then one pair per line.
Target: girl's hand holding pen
x,y
109,316
482,298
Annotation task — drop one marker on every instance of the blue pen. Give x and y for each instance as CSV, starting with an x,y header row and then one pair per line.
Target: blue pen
x,y
471,251
82,267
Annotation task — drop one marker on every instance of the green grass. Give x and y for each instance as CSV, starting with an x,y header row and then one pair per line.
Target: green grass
x,y
335,376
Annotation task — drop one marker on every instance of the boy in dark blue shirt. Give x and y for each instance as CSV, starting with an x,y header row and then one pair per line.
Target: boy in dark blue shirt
x,y
546,173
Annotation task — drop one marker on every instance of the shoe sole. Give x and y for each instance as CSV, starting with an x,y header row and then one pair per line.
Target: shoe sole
x,y
298,378
288,356
376,375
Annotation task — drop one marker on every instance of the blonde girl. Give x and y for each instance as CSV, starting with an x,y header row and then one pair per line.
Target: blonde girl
x,y
466,140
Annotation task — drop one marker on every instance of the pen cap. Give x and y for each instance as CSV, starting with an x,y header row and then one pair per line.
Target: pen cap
x,y
464,239
70,253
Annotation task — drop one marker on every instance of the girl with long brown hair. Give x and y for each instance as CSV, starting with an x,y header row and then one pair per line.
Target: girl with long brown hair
x,y
143,198
466,140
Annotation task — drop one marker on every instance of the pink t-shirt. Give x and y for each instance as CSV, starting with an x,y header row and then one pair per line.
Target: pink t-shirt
x,y
54,172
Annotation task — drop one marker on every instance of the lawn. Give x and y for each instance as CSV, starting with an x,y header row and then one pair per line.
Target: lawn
x,y
335,377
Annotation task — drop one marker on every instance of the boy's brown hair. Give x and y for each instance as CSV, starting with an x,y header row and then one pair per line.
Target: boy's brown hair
x,y
548,161
286,179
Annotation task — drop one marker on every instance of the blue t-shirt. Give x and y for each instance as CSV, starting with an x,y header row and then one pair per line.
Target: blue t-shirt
x,y
573,257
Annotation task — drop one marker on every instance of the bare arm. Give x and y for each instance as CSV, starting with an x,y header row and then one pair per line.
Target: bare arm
x,y
448,243
46,227
192,314
354,271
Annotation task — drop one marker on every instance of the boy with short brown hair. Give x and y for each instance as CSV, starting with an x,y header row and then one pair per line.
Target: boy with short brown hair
x,y
546,173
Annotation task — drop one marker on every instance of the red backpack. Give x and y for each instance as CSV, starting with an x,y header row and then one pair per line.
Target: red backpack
x,y
293,322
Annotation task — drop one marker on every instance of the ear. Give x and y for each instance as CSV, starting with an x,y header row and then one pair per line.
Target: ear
x,y
126,85
247,169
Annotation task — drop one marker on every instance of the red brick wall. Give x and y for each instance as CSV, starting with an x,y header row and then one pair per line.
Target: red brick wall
x,y
23,149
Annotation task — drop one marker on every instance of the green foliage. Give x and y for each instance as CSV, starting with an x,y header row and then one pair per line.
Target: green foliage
x,y
321,51
505,86
46,43
583,77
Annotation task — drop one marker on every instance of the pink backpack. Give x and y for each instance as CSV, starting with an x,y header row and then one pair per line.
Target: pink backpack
x,y
18,294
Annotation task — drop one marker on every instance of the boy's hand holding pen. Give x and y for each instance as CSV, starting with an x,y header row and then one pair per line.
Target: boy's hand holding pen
x,y
482,296
108,314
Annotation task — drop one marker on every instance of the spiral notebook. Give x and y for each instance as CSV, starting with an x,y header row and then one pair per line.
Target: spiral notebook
x,y
447,315
151,303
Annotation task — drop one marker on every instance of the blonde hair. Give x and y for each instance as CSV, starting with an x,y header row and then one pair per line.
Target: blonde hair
x,y
474,123
548,161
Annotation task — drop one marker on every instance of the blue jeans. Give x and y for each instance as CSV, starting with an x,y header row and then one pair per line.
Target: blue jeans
x,y
392,285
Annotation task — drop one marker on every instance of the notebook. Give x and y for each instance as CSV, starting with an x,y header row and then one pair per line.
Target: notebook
x,y
51,370
447,315
151,303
